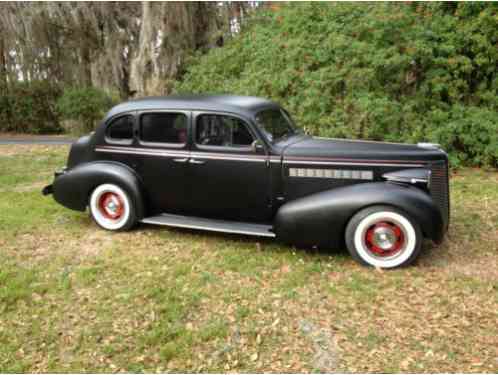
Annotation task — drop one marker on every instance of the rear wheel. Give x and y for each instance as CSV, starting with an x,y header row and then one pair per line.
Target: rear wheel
x,y
112,208
383,236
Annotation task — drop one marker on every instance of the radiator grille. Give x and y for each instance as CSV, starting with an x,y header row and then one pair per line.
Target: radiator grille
x,y
439,189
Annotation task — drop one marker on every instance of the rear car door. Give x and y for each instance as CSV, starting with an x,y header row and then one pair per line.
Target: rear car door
x,y
162,156
230,178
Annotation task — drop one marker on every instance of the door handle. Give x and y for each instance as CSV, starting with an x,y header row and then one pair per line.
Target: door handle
x,y
194,161
180,160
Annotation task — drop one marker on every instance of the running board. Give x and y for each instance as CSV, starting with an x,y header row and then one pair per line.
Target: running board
x,y
213,225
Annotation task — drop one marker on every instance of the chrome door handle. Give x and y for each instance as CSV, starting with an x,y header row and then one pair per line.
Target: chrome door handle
x,y
193,161
180,160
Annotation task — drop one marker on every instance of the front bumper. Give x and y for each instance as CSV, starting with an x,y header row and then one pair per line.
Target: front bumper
x,y
49,189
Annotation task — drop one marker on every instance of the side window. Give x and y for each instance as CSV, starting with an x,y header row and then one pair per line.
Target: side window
x,y
221,130
163,128
121,129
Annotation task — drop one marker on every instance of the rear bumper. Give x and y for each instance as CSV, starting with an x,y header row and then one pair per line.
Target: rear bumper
x,y
49,189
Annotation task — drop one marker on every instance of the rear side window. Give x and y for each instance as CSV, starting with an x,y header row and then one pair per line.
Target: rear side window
x,y
121,129
163,128
221,130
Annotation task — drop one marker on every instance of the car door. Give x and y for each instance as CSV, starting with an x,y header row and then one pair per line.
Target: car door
x,y
229,178
162,155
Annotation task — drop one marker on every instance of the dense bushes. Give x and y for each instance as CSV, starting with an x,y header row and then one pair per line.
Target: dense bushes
x,y
398,72
84,106
29,108
41,108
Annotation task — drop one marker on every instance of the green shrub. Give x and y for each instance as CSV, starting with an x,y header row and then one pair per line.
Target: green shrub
x,y
85,106
29,108
404,72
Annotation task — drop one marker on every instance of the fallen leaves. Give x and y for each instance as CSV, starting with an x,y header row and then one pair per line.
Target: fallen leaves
x,y
218,303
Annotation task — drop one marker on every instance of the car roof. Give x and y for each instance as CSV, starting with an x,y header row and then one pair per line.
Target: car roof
x,y
244,105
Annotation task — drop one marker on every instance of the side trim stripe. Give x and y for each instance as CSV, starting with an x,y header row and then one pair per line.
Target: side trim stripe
x,y
309,162
256,158
236,158
304,158
142,152
162,153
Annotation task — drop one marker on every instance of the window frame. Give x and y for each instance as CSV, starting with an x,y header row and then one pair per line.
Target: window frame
x,y
115,141
162,144
244,121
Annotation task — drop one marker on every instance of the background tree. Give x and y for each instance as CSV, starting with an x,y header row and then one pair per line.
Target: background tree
x,y
123,49
126,48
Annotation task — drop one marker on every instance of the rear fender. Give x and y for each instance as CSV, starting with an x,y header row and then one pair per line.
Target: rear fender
x,y
320,219
73,188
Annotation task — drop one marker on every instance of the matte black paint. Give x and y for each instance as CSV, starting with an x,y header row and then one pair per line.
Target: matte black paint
x,y
306,211
73,188
351,150
320,219
81,151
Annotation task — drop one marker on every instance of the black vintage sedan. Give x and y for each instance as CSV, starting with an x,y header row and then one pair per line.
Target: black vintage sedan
x,y
239,164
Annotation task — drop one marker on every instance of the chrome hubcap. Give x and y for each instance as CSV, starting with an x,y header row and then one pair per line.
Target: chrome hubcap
x,y
383,237
112,206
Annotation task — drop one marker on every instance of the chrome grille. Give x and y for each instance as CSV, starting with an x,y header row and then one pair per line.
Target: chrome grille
x,y
439,189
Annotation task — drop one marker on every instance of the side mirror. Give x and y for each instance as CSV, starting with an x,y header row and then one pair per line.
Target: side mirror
x,y
257,146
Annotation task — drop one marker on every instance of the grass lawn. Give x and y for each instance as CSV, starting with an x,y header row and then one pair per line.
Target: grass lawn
x,y
76,298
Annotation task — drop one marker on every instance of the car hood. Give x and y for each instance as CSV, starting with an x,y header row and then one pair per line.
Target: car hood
x,y
315,148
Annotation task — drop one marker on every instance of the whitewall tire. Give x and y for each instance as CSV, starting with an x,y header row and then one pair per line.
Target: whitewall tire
x,y
111,208
384,237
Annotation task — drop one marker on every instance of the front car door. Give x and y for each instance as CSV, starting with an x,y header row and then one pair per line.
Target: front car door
x,y
229,178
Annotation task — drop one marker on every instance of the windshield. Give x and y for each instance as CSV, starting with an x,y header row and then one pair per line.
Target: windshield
x,y
276,124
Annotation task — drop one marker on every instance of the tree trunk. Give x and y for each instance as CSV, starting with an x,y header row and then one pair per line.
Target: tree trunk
x,y
169,32
3,63
126,47
142,62
86,65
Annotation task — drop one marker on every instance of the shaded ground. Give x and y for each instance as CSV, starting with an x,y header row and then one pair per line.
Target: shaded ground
x,y
76,298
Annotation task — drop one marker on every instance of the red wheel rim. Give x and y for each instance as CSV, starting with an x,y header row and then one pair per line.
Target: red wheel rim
x,y
111,206
384,239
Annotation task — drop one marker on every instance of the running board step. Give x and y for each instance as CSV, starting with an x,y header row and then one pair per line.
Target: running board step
x,y
213,225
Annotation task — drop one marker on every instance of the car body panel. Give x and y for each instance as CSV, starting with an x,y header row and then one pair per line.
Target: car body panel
x,y
72,188
321,218
308,187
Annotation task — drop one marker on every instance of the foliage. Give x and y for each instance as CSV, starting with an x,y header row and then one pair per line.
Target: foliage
x,y
29,108
85,105
391,71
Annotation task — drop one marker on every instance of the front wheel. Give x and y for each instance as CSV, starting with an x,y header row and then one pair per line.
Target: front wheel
x,y
112,208
384,237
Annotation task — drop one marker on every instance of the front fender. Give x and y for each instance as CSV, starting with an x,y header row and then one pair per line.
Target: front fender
x,y
72,188
320,219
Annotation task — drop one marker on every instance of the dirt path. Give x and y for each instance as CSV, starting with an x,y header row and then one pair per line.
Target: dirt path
x,y
29,139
